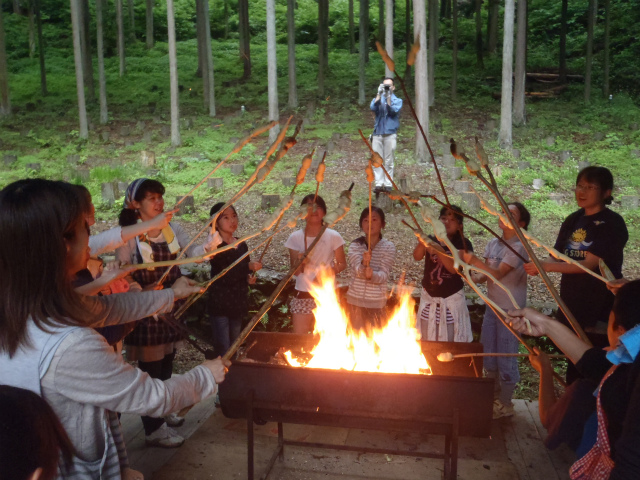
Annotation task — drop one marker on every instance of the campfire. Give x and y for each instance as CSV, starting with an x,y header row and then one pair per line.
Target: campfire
x,y
392,348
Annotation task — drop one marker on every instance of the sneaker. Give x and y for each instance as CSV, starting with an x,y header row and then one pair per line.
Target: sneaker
x,y
501,410
174,420
164,437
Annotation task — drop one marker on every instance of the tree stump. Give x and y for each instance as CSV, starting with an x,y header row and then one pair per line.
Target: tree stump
x,y
289,181
635,153
455,173
384,202
448,160
565,155
403,185
83,174
165,130
598,136
491,125
9,160
330,147
140,125
233,140
516,153
129,142
633,127
461,186
125,131
551,141
629,201
497,171
216,183
538,183
36,167
187,123
187,205
73,159
147,158
524,165
152,172
270,201
236,169
471,202
583,164
335,136
170,150
105,135
108,193
556,198
122,188
147,136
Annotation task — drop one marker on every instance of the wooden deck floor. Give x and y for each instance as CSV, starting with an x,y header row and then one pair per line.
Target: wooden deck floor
x,y
216,448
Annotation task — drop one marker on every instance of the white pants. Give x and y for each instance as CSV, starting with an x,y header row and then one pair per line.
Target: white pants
x,y
385,146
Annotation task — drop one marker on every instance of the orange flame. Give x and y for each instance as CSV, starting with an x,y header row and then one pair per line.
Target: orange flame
x,y
393,348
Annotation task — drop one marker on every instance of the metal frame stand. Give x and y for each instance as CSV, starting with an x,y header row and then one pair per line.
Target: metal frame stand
x,y
450,455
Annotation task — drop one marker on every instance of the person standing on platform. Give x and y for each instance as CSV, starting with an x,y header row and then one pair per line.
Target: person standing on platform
x,y
386,107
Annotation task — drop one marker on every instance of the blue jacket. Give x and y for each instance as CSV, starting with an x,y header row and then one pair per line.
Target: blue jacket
x,y
387,117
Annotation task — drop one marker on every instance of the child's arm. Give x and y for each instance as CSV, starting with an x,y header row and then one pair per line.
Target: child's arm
x,y
546,393
591,262
112,271
498,273
340,262
294,256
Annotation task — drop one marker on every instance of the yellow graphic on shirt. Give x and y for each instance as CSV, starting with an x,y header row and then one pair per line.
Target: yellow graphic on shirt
x,y
577,247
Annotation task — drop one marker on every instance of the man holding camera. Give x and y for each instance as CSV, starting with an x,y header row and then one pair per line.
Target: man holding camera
x,y
386,107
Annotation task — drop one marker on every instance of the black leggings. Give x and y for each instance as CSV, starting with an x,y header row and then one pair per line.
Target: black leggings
x,y
160,369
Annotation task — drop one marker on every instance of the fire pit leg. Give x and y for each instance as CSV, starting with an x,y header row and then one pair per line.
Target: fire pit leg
x,y
454,444
250,435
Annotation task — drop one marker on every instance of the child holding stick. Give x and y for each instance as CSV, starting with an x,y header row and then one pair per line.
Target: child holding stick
x,y
370,269
443,314
508,268
329,252
590,234
228,302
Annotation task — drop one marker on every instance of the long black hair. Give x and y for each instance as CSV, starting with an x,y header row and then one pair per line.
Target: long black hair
x,y
37,220
626,306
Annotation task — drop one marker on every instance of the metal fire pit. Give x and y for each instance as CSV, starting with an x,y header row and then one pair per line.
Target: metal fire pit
x,y
438,404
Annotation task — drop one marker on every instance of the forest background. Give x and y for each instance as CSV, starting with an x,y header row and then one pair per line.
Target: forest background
x,y
39,135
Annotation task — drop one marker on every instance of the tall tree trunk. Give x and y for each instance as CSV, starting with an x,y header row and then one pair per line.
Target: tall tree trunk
x,y
132,21
173,76
104,114
200,34
211,98
226,19
291,44
352,33
506,104
591,19
120,41
323,43
445,8
454,53
607,15
431,65
388,39
492,27
77,55
562,68
436,24
408,37
479,59
149,23
16,7
32,31
43,72
5,101
519,112
380,20
85,43
245,37
200,45
421,78
364,46
272,68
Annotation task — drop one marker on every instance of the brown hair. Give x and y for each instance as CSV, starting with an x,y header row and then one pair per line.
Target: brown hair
x,y
31,436
36,218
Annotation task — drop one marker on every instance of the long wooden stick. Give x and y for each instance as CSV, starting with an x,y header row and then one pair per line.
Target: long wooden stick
x,y
445,356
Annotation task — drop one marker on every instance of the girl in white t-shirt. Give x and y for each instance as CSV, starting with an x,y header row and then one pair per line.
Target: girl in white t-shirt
x,y
328,252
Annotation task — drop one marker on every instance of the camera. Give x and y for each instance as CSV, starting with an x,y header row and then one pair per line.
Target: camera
x,y
386,87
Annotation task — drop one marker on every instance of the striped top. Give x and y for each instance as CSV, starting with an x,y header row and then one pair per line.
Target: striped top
x,y
370,293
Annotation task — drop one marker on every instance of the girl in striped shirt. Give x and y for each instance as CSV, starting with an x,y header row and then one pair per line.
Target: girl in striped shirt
x,y
367,294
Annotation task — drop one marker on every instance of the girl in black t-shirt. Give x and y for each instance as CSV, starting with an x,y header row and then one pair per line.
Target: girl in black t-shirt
x,y
228,304
587,235
442,301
